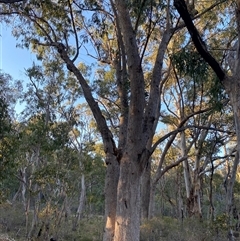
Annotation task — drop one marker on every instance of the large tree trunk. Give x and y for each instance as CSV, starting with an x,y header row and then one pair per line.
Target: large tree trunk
x,y
127,225
233,90
36,200
230,180
232,177
111,183
231,83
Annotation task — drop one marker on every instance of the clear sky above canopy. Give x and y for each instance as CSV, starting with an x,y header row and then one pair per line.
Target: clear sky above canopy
x,y
13,60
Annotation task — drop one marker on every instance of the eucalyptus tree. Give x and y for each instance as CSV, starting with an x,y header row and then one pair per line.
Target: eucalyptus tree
x,y
130,38
43,133
83,141
191,108
10,91
226,72
50,24
198,90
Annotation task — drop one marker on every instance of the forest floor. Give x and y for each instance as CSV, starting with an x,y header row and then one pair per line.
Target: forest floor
x,y
5,237
90,228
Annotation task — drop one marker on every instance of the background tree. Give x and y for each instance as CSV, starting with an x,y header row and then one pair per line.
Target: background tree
x,y
9,94
229,80
131,47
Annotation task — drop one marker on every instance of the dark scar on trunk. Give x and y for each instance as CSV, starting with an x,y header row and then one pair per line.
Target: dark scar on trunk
x,y
125,202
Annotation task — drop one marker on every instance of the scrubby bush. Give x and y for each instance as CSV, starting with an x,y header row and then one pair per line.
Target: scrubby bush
x,y
189,229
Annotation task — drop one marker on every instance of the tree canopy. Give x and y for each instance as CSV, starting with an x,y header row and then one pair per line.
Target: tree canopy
x,y
147,86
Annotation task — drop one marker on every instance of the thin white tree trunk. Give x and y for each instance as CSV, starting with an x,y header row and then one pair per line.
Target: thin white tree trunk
x,y
180,210
81,204
81,198
24,188
35,215
186,168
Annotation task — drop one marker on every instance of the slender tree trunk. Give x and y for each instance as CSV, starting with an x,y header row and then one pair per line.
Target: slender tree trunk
x,y
34,224
145,190
197,207
187,175
17,194
67,209
24,188
25,199
231,83
180,211
81,203
152,201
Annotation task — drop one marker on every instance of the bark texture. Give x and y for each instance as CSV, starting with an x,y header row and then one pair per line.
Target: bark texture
x,y
137,125
127,226
111,183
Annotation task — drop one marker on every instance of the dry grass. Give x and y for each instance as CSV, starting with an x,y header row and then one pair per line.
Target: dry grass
x,y
13,228
4,237
170,229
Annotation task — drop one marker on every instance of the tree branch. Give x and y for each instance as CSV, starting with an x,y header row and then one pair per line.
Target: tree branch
x,y
170,166
137,85
197,40
108,141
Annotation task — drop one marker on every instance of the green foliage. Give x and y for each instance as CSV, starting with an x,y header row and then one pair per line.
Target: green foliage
x,y
169,120
5,124
12,222
8,136
95,178
54,145
147,12
189,63
198,77
170,229
221,222
11,219
217,93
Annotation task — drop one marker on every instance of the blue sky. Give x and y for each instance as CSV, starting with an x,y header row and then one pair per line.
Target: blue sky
x,y
13,60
